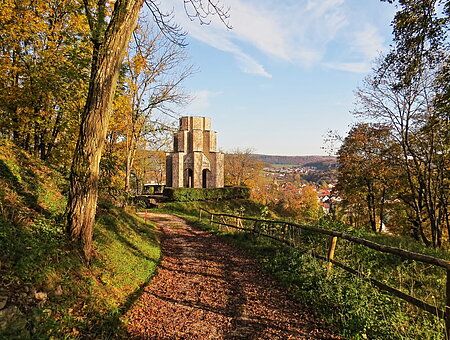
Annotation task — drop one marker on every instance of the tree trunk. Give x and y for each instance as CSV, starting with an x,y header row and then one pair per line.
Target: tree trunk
x,y
127,173
131,153
370,200
381,215
108,54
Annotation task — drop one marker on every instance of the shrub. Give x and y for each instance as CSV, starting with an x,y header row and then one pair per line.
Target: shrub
x,y
202,194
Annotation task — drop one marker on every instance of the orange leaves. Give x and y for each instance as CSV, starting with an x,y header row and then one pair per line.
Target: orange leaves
x,y
208,289
364,176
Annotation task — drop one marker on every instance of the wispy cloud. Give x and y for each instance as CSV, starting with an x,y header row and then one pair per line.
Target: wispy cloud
x,y
364,46
200,102
222,42
369,42
295,31
292,31
250,65
355,67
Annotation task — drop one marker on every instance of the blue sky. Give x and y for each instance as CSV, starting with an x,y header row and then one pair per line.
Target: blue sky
x,y
286,73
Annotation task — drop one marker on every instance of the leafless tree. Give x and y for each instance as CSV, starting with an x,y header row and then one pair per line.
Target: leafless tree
x,y
409,111
241,167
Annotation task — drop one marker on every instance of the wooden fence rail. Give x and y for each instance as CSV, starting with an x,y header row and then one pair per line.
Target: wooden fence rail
x,y
262,227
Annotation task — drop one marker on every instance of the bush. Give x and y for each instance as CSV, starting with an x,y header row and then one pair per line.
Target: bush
x,y
202,194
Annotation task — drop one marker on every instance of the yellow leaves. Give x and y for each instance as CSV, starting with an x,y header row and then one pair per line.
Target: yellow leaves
x,y
122,104
121,114
138,63
133,87
44,67
79,23
6,10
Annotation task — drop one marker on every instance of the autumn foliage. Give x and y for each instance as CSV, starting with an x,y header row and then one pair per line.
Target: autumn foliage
x,y
394,165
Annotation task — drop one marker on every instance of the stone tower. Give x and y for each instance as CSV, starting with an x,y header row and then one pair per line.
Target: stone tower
x,y
194,162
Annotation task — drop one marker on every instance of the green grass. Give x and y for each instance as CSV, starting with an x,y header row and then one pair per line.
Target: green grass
x,y
84,302
95,298
357,309
127,255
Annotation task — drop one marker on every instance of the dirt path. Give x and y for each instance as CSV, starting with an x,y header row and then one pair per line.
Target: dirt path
x,y
208,289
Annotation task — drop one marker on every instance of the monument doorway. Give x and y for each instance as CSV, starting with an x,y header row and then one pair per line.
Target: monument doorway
x,y
188,178
205,177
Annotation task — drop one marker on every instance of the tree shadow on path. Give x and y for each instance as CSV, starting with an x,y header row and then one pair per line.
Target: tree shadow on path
x,y
209,289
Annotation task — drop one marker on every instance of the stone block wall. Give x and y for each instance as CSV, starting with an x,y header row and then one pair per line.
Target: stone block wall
x,y
195,161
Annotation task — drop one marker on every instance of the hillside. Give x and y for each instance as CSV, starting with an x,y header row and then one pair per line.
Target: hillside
x,y
46,290
295,160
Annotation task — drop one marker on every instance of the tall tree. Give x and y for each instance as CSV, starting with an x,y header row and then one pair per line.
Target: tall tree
x,y
364,174
44,67
154,71
408,110
110,36
420,54
242,168
111,24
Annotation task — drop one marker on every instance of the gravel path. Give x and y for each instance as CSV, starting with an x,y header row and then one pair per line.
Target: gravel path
x,y
208,289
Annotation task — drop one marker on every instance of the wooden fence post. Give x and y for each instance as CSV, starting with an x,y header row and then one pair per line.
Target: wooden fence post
x,y
447,307
200,214
331,254
223,223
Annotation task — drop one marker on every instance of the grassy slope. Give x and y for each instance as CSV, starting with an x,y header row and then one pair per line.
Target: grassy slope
x,y
355,307
35,256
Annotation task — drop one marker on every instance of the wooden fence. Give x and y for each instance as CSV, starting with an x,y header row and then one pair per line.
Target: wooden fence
x,y
289,233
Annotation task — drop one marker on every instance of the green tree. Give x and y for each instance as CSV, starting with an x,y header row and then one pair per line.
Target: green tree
x,y
420,34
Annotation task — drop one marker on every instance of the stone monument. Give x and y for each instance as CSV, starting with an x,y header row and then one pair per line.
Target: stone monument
x,y
194,162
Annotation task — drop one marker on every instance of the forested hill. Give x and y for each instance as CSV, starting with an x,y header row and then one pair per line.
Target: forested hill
x,y
296,160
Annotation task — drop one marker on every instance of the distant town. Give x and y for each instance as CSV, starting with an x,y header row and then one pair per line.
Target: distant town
x,y
319,172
